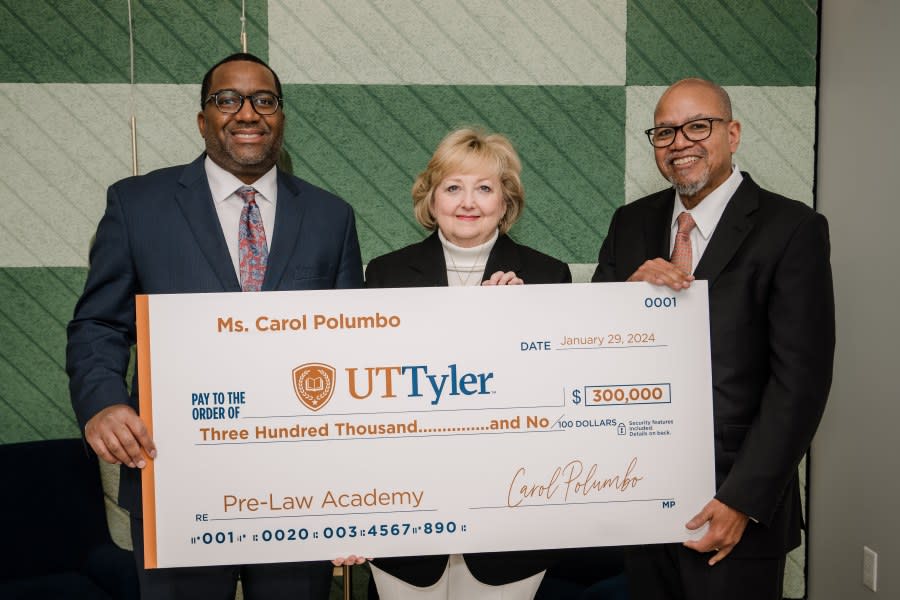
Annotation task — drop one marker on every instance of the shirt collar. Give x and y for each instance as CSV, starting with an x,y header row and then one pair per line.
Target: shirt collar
x,y
708,212
223,184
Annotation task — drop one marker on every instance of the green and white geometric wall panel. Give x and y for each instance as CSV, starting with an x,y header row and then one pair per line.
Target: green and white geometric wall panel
x,y
777,130
36,305
732,42
370,87
440,42
367,143
67,143
86,41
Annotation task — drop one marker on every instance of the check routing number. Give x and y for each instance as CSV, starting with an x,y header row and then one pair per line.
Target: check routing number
x,y
298,426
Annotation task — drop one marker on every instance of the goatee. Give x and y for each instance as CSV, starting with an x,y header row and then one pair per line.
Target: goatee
x,y
688,189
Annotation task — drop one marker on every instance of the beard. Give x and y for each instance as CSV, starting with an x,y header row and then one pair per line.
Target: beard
x,y
689,188
236,158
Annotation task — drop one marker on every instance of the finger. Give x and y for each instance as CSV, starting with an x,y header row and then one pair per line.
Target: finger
x,y
672,278
680,281
703,545
662,272
651,269
509,277
128,433
102,438
139,431
498,278
134,439
720,554
351,560
116,447
102,451
112,433
699,519
654,275
125,447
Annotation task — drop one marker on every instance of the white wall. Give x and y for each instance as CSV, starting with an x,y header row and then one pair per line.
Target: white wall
x,y
855,479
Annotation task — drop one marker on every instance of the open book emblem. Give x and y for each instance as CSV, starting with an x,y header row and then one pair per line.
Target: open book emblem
x,y
314,384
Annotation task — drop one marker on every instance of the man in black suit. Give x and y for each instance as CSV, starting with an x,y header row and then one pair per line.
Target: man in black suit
x,y
766,261
227,222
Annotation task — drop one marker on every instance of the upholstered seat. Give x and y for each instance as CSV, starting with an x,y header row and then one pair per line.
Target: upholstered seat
x,y
55,535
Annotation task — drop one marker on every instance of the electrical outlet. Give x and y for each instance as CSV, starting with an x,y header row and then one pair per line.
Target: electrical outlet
x,y
870,568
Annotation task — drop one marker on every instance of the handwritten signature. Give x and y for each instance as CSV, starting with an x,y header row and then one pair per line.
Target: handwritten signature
x,y
569,482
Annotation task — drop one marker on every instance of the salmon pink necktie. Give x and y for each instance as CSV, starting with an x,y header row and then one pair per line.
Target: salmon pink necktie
x,y
253,251
681,254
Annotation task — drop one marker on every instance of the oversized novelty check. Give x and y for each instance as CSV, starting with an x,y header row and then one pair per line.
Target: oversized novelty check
x,y
310,425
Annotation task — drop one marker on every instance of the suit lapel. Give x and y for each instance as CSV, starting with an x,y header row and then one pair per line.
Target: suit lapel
x,y
658,225
429,265
734,226
196,203
288,221
504,257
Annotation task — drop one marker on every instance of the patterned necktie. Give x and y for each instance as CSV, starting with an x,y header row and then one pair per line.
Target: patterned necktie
x,y
681,254
253,252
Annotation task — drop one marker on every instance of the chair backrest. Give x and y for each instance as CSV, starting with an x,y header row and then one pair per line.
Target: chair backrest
x,y
52,507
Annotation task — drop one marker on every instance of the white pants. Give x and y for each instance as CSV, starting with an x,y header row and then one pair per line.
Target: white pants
x,y
457,583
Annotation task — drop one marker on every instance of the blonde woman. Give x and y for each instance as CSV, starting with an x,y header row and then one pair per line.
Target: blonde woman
x,y
468,196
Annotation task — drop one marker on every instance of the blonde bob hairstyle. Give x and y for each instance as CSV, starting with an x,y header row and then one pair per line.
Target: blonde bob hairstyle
x,y
469,151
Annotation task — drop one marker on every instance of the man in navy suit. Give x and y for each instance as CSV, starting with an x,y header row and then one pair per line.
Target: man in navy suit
x,y
176,230
766,261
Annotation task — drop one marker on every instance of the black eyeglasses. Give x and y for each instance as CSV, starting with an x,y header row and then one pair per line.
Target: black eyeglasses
x,y
695,131
231,102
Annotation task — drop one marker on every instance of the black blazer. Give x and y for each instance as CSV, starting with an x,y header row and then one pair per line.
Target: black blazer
x,y
422,265
771,316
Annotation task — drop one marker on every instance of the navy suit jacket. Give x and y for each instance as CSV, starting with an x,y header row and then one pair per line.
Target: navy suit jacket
x,y
422,265
771,316
161,235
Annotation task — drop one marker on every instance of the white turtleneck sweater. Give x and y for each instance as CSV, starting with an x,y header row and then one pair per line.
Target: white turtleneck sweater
x,y
465,266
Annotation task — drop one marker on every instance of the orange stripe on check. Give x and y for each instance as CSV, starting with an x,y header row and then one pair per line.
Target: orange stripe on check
x,y
145,395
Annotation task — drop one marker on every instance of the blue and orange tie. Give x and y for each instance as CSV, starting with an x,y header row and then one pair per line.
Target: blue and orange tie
x,y
253,250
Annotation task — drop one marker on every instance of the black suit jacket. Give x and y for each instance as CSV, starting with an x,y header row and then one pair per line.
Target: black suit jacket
x,y
423,265
160,235
772,340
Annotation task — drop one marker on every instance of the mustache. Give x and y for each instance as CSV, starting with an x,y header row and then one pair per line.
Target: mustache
x,y
673,156
238,125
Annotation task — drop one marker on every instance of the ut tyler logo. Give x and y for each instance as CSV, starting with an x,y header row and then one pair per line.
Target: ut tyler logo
x,y
314,384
